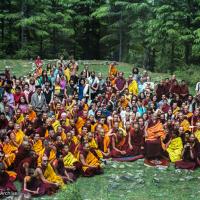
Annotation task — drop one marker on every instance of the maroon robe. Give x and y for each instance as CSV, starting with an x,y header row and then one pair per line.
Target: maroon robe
x,y
33,185
187,162
6,184
32,162
137,141
121,143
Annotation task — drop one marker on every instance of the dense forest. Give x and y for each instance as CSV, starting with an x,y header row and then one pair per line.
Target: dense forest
x,y
155,34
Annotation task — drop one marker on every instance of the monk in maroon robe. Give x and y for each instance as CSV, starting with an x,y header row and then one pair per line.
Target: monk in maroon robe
x,y
6,182
189,156
136,140
26,165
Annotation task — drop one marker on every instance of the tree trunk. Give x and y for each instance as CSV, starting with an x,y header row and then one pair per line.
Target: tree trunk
x,y
187,53
120,39
41,46
2,30
172,57
22,28
54,41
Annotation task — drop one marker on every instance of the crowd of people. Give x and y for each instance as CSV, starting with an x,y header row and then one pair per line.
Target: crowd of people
x,y
60,122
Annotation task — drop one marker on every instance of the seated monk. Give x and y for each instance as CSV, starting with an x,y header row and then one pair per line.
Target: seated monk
x,y
6,178
101,121
93,145
60,170
33,185
26,165
124,102
183,122
195,118
9,150
71,163
67,166
37,144
197,132
189,156
70,142
103,141
60,132
174,148
154,134
23,152
187,114
31,114
48,176
135,139
119,141
90,163
81,121
54,123
49,151
17,136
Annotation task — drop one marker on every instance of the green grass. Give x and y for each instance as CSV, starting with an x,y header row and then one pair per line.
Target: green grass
x,y
134,181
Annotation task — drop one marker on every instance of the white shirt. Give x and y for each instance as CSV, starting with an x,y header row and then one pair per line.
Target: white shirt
x,y
92,82
197,88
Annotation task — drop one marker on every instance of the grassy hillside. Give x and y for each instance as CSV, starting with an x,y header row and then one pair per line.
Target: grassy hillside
x,y
23,67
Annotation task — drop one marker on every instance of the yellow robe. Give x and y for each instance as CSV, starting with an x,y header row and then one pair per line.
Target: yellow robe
x,y
175,149
52,156
20,119
69,160
80,123
90,160
55,125
186,125
51,176
197,135
38,147
19,136
133,88
94,145
67,73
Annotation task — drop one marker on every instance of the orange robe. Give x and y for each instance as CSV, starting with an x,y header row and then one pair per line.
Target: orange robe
x,y
80,123
32,116
156,131
112,70
9,151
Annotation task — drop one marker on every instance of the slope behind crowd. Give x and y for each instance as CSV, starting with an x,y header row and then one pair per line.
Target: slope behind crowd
x,y
60,123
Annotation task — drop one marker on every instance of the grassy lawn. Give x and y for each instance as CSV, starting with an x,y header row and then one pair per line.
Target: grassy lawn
x,y
123,181
22,67
134,181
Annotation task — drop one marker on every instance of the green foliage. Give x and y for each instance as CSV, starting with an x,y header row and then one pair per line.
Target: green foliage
x,y
158,35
